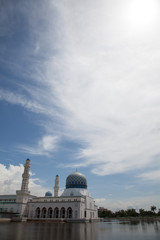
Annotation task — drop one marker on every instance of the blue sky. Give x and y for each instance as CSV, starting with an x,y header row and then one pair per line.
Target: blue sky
x,y
79,88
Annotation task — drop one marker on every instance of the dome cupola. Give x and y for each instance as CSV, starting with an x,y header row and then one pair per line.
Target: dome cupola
x,y
76,180
48,194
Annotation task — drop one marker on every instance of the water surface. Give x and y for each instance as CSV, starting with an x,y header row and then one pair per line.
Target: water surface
x,y
80,231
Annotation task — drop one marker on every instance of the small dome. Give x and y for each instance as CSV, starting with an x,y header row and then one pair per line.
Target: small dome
x,y
48,194
76,180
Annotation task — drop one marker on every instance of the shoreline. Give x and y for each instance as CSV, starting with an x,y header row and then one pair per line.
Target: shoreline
x,y
121,219
132,219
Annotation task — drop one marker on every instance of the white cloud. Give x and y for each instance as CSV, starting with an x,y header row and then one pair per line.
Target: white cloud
x,y
107,88
100,80
15,98
45,146
36,188
37,47
134,202
142,14
151,176
11,179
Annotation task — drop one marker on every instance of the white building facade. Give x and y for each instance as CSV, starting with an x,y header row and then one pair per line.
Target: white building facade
x,y
74,204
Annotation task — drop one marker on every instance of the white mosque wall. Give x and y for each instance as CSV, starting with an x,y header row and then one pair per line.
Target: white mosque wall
x,y
74,203
13,208
81,207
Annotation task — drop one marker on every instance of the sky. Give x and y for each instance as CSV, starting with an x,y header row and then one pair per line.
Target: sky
x,y
79,89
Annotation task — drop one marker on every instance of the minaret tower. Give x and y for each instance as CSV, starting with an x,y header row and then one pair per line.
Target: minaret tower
x,y
23,194
25,177
56,186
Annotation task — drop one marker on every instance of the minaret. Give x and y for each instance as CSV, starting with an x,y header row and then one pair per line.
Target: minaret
x,y
56,186
23,194
25,177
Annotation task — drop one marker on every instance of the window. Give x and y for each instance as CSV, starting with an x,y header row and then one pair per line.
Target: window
x,y
69,212
56,212
44,212
50,211
62,212
37,213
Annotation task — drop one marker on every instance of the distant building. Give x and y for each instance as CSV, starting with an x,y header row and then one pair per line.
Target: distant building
x,y
74,204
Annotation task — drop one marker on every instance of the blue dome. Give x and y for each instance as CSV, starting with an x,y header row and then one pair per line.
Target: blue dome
x,y
76,180
48,194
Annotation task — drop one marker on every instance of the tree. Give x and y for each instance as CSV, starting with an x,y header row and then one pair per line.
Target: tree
x,y
120,213
158,212
153,208
142,212
131,213
105,213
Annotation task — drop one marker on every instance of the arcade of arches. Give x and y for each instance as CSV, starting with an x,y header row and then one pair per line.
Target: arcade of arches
x,y
55,213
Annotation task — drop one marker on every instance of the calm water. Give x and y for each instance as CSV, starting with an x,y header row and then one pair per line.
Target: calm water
x,y
80,231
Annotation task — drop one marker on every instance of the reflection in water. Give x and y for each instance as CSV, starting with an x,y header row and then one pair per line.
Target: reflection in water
x,y
80,231
58,231
155,225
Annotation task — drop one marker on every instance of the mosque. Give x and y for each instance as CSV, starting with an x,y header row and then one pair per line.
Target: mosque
x,y
74,204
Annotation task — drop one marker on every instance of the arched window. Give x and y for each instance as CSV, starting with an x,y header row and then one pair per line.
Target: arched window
x,y
56,212
69,212
44,212
37,214
50,211
62,212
